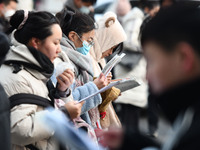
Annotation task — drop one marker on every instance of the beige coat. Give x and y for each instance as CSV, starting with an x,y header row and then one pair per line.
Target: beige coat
x,y
108,34
136,96
26,127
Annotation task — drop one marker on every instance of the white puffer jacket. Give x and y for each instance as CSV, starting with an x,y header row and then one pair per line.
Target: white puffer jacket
x,y
25,123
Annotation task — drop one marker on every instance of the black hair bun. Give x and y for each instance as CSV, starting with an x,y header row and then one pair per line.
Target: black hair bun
x,y
17,19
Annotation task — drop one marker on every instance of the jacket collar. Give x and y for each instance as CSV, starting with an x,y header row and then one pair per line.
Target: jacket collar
x,y
38,64
177,100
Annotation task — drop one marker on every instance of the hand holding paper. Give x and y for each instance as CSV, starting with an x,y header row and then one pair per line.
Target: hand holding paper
x,y
122,84
100,91
101,81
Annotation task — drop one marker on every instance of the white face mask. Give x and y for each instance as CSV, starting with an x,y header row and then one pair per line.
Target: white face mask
x,y
9,13
85,10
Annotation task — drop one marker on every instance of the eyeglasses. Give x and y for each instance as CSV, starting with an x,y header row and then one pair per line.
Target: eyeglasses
x,y
90,43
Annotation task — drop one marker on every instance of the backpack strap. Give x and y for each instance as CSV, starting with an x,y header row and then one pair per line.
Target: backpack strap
x,y
31,147
24,98
17,65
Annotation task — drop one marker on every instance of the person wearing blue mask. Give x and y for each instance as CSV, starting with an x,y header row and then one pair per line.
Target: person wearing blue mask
x,y
86,46
78,38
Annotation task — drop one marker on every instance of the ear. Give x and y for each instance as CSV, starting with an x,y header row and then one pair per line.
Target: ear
x,y
109,22
187,56
34,42
72,36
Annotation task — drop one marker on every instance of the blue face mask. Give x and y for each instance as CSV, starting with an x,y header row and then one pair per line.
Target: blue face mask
x,y
85,49
85,10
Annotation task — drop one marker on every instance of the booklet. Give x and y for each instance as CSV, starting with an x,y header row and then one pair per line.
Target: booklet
x,y
100,91
126,84
122,84
115,60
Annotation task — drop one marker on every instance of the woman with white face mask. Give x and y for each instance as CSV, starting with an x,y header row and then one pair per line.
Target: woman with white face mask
x,y
78,38
11,7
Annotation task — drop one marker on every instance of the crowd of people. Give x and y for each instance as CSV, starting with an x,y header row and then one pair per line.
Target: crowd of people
x,y
55,59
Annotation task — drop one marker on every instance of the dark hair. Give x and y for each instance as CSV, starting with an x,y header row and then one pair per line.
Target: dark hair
x,y
38,25
90,1
75,21
172,25
6,2
14,1
118,49
149,4
5,45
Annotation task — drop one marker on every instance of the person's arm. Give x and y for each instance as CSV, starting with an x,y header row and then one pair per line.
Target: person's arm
x,y
72,109
62,89
84,91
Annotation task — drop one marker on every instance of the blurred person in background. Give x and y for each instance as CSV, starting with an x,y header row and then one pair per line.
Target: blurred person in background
x,y
120,7
25,5
108,39
4,101
167,3
11,7
170,43
52,6
3,22
83,6
134,100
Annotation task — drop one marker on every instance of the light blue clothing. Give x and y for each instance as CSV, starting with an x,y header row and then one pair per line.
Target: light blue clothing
x,y
53,78
84,91
83,71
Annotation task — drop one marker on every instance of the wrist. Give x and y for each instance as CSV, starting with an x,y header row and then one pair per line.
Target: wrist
x,y
65,93
65,111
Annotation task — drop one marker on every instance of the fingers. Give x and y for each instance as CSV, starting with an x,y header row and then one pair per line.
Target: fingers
x,y
101,76
68,78
74,108
81,103
60,82
65,79
69,71
109,75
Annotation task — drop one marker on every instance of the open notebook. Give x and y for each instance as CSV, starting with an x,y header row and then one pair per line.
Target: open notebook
x,y
122,84
126,84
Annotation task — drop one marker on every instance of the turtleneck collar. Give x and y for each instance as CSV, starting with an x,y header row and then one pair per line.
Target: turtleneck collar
x,y
179,98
